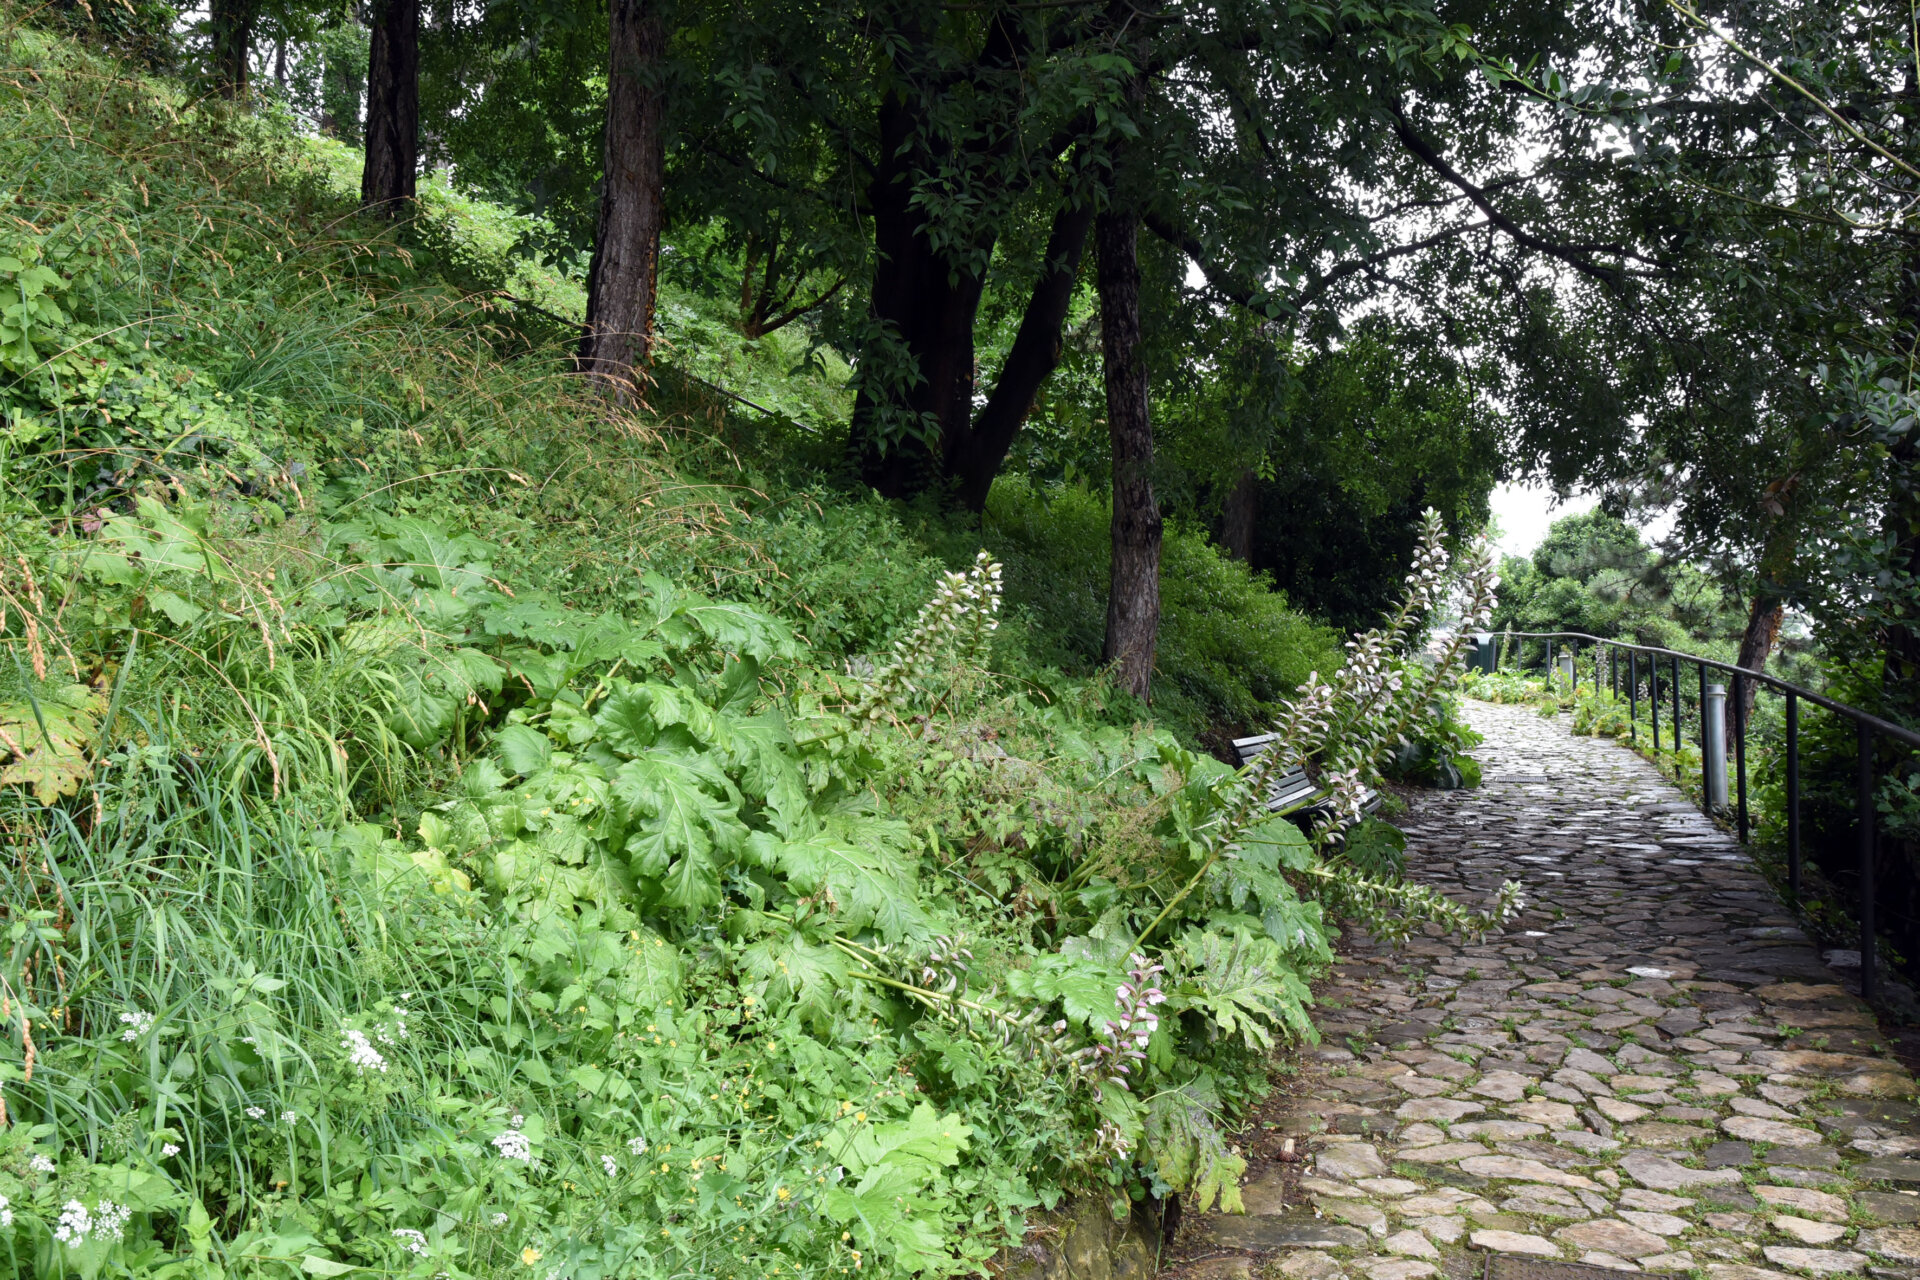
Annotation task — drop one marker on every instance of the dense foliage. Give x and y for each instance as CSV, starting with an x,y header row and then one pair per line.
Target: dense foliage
x,y
1594,573
457,825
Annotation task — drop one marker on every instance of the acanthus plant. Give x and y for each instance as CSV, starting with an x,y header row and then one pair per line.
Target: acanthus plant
x,y
1244,920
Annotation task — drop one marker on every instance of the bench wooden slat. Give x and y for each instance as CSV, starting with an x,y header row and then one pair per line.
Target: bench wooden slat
x,y
1294,785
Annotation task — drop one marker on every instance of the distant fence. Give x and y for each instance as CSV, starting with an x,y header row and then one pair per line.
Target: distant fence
x,y
1649,667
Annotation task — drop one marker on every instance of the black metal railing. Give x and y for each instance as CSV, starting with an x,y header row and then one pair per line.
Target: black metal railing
x,y
1867,726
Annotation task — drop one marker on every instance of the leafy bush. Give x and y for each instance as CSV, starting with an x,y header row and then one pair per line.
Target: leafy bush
x,y
1230,649
457,843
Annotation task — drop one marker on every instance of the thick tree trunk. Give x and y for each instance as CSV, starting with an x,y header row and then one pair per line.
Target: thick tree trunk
x,y
1766,611
230,26
925,305
621,282
974,457
1241,513
393,109
1764,615
913,420
280,64
1133,596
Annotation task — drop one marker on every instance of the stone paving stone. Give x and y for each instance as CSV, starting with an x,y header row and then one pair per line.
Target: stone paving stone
x,y
1649,1069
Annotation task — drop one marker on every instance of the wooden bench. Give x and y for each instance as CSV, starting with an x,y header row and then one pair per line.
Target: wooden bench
x,y
1293,786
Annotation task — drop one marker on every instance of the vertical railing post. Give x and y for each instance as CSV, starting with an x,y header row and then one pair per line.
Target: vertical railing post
x,y
1863,802
1633,696
1678,722
1575,645
1653,698
1793,793
1740,748
1613,669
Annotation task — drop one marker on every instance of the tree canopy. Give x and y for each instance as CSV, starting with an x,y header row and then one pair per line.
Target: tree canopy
x,y
1387,256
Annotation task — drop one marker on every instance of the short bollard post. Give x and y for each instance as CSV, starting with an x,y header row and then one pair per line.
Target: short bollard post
x,y
1714,721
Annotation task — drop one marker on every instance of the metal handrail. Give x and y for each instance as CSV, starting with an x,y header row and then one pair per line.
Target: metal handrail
x,y
1866,724
1887,727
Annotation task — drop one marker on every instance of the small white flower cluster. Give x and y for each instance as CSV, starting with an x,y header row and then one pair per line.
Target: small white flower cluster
x,y
40,1163
6,1212
498,1219
361,1054
637,1145
170,1149
513,1144
137,1022
108,1221
289,1117
414,1242
609,1165
392,1033
256,1113
962,616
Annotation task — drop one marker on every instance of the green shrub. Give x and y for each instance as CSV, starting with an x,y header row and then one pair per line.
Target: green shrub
x,y
1230,647
450,847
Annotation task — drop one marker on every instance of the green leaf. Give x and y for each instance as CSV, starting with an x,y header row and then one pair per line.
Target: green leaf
x,y
758,752
1242,983
179,611
1187,1149
522,750
315,1265
683,827
865,881
1086,987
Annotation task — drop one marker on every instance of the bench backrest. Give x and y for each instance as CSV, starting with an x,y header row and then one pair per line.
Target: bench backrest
x,y
1286,789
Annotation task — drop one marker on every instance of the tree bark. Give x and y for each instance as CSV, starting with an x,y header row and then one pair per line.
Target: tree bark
x,y
974,456
1133,595
926,305
1241,514
1764,616
621,282
387,179
230,26
913,419
1765,612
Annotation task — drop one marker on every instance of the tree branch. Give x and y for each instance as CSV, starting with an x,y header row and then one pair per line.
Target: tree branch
x,y
1312,290
1579,257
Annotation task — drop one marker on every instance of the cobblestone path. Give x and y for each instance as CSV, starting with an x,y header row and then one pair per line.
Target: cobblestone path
x,y
1651,1069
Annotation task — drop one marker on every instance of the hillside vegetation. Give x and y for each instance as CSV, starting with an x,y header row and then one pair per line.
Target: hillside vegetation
x,y
456,827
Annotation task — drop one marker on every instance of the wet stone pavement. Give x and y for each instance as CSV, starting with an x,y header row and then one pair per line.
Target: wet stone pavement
x,y
1650,1070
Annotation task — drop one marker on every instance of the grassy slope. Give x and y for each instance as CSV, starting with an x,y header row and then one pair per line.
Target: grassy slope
x,y
296,519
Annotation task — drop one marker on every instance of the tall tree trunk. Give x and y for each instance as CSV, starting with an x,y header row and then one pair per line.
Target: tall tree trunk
x,y
230,26
1766,611
1764,616
974,456
626,251
1133,594
913,420
393,109
1241,514
280,64
925,305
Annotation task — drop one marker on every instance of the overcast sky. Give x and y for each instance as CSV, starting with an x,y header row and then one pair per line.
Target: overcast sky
x,y
1523,513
